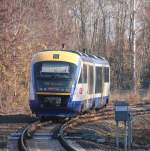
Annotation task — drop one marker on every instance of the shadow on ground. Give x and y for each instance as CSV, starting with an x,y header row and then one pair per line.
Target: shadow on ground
x,y
18,118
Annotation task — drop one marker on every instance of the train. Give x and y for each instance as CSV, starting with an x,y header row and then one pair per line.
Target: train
x,y
65,83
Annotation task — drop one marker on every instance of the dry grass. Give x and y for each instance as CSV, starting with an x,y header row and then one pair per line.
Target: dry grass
x,y
22,106
15,107
130,97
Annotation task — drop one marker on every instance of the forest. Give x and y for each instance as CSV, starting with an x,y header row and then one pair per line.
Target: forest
x,y
118,30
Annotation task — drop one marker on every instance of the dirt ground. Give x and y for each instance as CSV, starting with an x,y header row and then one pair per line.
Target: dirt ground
x,y
103,133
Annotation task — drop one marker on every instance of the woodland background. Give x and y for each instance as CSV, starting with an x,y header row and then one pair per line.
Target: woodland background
x,y
104,27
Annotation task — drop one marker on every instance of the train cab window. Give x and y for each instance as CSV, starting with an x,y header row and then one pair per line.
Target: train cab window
x,y
106,74
91,79
83,75
54,76
98,85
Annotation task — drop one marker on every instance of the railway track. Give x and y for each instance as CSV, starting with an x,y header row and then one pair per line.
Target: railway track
x,y
38,136
51,129
54,134
104,114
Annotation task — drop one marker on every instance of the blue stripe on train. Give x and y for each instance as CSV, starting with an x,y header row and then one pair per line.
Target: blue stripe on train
x,y
73,107
91,103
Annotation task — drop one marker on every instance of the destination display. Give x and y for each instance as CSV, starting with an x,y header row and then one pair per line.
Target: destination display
x,y
55,68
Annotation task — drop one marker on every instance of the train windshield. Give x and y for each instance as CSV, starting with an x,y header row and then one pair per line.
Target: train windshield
x,y
54,76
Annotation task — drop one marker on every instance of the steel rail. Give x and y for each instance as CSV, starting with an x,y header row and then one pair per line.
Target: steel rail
x,y
27,132
103,114
22,140
82,119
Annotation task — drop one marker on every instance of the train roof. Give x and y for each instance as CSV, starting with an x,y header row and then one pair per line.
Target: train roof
x,y
84,56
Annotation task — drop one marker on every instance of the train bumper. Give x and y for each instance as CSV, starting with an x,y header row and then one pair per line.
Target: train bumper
x,y
41,111
75,106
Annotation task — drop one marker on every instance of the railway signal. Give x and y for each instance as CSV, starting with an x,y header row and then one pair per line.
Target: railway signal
x,y
123,114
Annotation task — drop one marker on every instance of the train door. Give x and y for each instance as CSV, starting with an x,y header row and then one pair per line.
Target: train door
x,y
98,86
90,86
106,85
81,92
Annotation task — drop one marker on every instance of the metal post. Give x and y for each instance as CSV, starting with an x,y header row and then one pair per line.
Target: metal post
x,y
126,137
122,114
130,133
117,134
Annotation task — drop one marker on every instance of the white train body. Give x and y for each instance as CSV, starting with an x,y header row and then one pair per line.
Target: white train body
x,y
88,87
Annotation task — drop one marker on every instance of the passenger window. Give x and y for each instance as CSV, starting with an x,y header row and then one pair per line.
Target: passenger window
x,y
106,74
91,79
83,75
98,85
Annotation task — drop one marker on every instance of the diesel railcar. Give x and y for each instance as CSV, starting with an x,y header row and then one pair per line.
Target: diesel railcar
x,y
66,83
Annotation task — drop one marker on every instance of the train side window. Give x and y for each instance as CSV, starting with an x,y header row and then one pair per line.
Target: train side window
x,y
91,79
98,85
106,74
83,75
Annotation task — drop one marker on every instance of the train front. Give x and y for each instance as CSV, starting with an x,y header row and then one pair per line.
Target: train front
x,y
53,79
